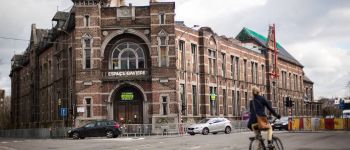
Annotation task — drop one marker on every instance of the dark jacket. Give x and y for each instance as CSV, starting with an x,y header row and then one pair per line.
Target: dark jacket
x,y
260,103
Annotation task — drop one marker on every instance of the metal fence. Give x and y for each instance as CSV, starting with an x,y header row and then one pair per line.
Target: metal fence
x,y
39,133
129,130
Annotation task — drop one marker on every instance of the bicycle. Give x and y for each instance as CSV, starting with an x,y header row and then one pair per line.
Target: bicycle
x,y
257,142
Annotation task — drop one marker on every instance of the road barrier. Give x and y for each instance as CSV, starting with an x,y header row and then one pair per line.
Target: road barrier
x,y
319,124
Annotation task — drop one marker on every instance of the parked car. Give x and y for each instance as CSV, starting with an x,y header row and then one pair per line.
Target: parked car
x,y
99,128
210,125
281,124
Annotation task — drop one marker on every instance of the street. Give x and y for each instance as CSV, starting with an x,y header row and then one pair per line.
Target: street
x,y
235,141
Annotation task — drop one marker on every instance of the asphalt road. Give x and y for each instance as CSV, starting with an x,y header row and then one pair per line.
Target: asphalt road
x,y
235,141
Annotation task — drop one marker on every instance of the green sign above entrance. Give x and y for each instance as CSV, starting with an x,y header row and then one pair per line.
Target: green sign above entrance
x,y
213,96
127,96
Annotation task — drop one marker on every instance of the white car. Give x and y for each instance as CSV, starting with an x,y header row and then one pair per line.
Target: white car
x,y
210,125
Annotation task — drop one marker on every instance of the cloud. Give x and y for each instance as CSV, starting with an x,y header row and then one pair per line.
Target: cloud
x,y
325,65
315,32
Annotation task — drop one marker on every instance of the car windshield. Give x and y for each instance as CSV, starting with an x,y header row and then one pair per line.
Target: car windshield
x,y
284,119
204,121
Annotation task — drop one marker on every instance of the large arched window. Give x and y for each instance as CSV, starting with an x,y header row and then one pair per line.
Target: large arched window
x,y
128,55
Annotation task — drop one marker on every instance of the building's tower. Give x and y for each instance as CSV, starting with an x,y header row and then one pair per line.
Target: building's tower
x,y
87,54
164,56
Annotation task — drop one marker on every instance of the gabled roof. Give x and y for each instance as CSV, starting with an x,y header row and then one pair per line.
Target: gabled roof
x,y
247,34
307,79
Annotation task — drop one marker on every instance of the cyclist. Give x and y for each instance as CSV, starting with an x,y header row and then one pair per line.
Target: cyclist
x,y
260,103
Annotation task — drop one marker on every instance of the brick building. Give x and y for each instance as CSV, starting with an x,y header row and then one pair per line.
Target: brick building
x,y
135,64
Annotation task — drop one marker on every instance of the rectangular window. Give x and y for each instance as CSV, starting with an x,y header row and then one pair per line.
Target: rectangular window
x,y
246,99
252,72
58,62
223,67
194,100
194,57
225,101
232,67
162,19
88,107
245,70
256,73
237,69
183,99
234,103
212,62
262,74
165,105
87,49
182,54
163,56
86,21
213,99
238,104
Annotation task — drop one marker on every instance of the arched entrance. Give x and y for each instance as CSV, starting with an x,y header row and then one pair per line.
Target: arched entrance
x,y
128,105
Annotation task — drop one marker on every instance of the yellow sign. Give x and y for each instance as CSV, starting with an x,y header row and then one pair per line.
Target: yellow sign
x,y
296,123
213,97
338,124
322,124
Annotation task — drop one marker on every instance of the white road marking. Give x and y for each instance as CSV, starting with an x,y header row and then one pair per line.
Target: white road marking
x,y
196,147
6,148
121,139
4,142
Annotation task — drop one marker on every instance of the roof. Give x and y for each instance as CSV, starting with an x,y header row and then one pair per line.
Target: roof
x,y
307,79
60,15
247,34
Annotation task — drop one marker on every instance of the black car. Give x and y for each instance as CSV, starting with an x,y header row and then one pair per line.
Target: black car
x,y
108,128
281,124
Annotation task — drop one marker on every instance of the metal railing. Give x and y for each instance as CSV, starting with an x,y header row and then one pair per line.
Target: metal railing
x,y
128,130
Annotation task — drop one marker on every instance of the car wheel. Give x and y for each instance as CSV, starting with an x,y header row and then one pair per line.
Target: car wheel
x,y
205,131
215,133
75,135
228,130
109,134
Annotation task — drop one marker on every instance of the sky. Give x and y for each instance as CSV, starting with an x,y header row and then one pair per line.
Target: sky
x,y
315,32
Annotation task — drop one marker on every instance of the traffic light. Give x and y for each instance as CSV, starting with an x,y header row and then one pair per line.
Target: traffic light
x,y
288,102
291,103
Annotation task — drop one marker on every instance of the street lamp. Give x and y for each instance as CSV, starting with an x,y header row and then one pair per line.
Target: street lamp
x,y
194,26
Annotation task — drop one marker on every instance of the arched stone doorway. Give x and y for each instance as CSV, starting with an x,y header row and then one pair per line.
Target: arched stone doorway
x,y
128,104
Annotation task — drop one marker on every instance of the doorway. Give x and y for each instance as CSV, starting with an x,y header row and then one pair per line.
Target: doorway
x,y
128,105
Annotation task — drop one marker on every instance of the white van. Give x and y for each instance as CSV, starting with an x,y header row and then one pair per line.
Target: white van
x,y
346,113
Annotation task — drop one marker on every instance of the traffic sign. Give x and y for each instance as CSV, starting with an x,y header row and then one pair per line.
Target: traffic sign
x,y
341,104
64,112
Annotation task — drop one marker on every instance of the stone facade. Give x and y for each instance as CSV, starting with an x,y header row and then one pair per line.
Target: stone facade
x,y
135,64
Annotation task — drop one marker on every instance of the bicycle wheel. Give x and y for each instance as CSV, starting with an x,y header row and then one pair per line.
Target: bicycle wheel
x,y
256,145
277,143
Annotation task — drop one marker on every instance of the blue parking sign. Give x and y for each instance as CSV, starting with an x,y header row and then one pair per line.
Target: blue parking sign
x,y
64,112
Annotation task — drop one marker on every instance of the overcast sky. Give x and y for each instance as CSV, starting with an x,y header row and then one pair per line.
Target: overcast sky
x,y
315,32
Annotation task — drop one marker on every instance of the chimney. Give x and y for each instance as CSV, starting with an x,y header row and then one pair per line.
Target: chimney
x,y
117,3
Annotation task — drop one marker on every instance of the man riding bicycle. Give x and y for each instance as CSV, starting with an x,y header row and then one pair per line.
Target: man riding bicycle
x,y
260,103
